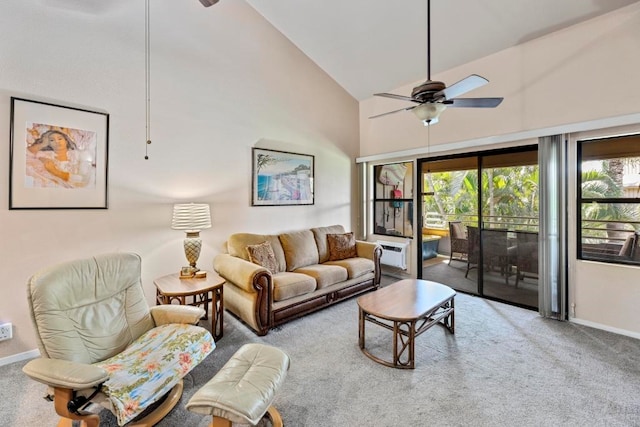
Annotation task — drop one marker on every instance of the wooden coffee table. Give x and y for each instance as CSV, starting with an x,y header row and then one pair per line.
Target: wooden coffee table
x,y
203,291
408,308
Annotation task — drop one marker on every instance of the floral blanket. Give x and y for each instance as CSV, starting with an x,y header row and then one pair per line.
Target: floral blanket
x,y
152,365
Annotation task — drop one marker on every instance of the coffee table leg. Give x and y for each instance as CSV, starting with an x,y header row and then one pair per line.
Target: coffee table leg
x,y
361,329
396,350
450,319
412,345
453,318
404,338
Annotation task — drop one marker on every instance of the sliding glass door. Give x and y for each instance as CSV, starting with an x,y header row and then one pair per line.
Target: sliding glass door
x,y
483,209
449,207
509,232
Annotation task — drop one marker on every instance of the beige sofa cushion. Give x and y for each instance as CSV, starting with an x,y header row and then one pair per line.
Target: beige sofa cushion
x,y
320,234
325,275
299,249
288,285
356,267
237,246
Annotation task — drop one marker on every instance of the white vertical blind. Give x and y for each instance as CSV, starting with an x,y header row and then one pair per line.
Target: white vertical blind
x,y
552,158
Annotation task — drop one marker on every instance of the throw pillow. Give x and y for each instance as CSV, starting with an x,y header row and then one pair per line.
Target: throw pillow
x,y
341,246
320,234
262,254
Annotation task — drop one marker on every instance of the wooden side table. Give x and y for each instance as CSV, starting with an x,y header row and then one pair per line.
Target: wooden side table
x,y
207,290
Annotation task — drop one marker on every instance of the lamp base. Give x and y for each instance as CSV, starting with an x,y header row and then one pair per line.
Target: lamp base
x,y
192,246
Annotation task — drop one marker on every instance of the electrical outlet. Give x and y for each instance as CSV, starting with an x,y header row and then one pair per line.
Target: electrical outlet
x,y
6,331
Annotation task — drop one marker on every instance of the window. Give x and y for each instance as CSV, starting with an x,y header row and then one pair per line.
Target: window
x,y
508,186
449,192
609,199
393,199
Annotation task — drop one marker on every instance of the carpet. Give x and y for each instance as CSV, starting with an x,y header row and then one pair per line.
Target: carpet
x,y
505,366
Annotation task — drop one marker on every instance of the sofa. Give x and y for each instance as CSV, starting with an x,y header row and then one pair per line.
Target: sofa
x,y
272,279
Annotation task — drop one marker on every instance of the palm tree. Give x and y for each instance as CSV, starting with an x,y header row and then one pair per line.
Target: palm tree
x,y
606,183
264,160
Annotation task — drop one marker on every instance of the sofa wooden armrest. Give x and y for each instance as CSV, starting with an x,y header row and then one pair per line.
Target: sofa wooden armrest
x,y
241,273
372,251
252,279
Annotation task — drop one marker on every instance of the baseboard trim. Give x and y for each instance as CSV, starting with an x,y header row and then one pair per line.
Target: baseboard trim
x,y
19,357
605,328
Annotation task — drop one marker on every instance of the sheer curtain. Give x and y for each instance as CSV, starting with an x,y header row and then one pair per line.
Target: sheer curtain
x,y
552,158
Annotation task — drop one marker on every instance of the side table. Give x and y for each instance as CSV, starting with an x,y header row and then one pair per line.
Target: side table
x,y
206,290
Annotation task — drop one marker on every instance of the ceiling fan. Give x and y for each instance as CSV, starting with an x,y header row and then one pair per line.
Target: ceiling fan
x,y
433,97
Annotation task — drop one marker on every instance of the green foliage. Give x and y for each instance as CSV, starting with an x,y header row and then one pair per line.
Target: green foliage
x,y
509,195
598,184
609,218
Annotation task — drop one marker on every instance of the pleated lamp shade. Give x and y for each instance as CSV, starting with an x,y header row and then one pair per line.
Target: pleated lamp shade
x,y
191,217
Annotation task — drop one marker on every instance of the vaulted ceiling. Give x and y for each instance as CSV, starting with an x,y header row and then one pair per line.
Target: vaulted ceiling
x,y
370,46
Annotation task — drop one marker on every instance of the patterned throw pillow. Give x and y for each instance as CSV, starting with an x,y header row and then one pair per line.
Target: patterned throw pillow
x,y
262,254
341,246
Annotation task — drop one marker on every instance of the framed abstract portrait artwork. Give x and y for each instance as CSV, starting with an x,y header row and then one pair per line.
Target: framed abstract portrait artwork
x,y
280,178
58,156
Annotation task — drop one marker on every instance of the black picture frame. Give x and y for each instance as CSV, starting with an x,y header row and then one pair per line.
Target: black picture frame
x,y
58,156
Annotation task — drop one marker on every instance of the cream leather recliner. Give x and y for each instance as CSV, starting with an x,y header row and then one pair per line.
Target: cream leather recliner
x,y
100,343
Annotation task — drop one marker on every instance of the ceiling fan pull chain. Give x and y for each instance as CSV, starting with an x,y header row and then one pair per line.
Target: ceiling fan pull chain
x,y
147,79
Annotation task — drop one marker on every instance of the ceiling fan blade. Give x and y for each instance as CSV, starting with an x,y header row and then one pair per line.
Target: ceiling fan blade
x,y
465,85
394,96
473,102
392,112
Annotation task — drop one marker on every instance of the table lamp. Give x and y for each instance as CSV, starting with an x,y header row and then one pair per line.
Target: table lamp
x,y
191,217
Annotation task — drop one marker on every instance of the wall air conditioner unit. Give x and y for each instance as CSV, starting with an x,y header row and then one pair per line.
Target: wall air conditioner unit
x,y
394,254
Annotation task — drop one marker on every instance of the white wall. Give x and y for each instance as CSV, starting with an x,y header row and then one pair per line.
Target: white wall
x,y
580,74
600,294
584,72
222,81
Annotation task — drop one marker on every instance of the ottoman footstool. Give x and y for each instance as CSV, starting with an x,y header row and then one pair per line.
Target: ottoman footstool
x,y
242,391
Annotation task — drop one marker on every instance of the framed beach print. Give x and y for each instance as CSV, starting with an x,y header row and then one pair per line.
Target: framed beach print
x,y
280,178
58,157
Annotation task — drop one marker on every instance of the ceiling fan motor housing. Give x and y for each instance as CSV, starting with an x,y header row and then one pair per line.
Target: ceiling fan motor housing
x,y
426,90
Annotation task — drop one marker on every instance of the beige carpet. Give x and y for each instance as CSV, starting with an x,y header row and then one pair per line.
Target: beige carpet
x,y
505,366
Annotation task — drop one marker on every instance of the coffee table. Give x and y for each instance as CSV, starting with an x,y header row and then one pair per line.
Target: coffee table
x,y
408,308
203,291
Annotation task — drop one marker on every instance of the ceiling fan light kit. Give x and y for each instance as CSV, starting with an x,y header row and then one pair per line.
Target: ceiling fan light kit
x,y
434,97
429,112
207,3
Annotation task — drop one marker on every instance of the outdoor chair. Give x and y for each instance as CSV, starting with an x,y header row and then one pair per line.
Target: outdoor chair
x,y
629,249
100,343
459,242
526,255
473,248
498,252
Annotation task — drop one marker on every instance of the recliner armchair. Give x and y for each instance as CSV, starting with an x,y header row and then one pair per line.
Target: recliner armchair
x,y
98,338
